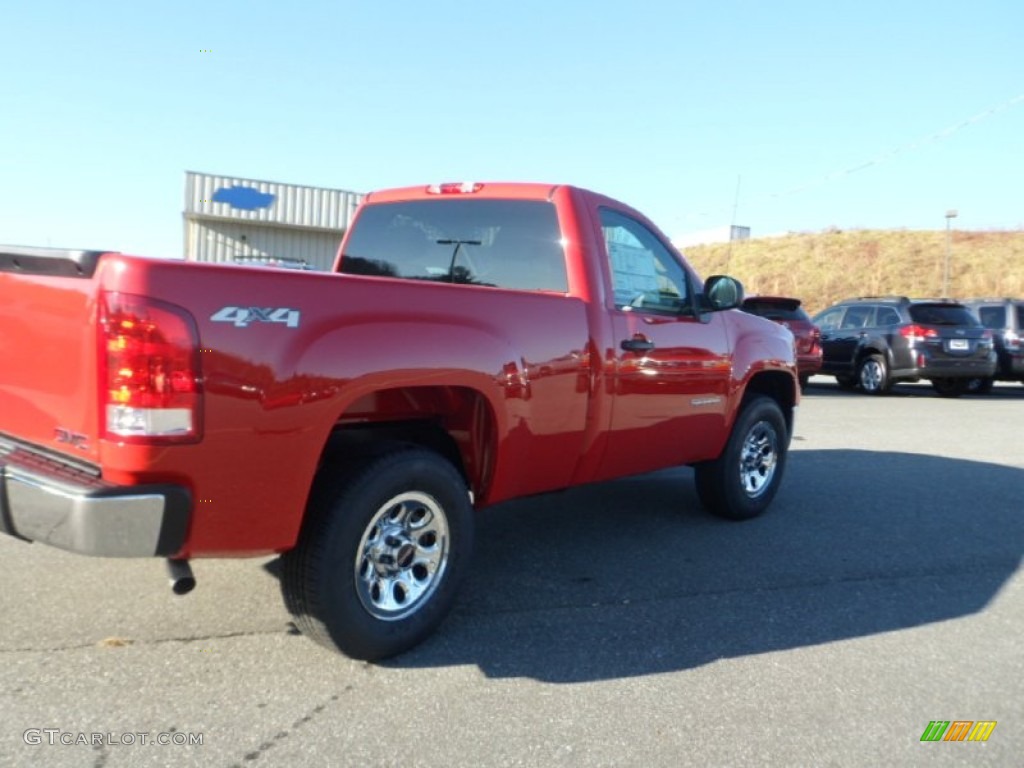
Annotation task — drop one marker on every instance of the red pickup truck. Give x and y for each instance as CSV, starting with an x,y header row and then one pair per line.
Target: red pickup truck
x,y
475,343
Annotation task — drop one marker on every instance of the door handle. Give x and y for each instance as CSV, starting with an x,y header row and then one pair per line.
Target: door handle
x,y
638,343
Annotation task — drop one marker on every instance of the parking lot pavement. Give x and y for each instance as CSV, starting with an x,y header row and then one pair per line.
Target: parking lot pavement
x,y
610,625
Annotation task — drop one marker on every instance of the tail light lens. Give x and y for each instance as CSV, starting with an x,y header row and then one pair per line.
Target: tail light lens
x,y
150,375
815,338
1011,340
918,333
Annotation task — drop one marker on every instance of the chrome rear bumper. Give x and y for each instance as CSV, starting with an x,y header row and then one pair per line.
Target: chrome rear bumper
x,y
45,500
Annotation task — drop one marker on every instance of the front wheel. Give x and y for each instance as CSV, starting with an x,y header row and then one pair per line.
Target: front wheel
x,y
382,553
741,483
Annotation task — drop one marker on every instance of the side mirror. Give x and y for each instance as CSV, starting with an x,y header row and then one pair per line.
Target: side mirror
x,y
722,292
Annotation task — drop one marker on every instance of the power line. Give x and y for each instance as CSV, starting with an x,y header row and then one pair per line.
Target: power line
x,y
877,160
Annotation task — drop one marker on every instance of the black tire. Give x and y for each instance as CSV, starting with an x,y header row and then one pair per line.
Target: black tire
x,y
980,386
741,483
846,382
873,375
382,553
804,381
951,387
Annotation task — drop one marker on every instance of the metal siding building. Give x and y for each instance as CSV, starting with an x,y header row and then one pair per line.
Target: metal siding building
x,y
227,219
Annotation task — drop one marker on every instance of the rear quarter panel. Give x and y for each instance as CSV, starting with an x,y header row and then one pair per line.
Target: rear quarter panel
x,y
273,393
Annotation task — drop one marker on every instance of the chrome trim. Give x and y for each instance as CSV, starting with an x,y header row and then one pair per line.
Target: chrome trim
x,y
107,526
53,504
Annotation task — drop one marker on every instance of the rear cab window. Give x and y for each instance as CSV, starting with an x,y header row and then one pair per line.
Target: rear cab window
x,y
514,244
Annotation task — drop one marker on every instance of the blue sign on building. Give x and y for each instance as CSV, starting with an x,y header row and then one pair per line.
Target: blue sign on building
x,y
243,198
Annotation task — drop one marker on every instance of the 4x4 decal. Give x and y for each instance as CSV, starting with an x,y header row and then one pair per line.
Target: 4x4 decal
x,y
241,317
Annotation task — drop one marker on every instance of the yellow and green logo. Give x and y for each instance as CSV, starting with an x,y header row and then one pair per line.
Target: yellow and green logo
x,y
958,730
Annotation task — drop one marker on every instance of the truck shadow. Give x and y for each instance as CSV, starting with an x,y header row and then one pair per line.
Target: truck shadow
x,y
631,578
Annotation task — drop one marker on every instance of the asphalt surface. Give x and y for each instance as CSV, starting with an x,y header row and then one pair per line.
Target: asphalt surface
x,y
611,625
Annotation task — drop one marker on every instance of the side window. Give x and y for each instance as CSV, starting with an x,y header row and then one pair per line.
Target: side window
x,y
857,317
887,316
645,274
829,321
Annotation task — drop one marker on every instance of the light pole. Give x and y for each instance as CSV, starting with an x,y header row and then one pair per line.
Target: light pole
x,y
950,215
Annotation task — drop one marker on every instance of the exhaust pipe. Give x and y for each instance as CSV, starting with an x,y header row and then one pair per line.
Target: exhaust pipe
x,y
182,580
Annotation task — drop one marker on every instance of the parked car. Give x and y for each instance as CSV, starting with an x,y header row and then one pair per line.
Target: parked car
x,y
475,343
788,312
875,342
1005,318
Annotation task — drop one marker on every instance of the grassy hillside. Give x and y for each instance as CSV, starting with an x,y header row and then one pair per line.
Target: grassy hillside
x,y
825,267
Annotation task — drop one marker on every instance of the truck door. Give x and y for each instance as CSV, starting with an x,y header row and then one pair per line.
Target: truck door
x,y
670,370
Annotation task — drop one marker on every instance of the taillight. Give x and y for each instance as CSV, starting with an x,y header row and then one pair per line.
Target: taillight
x,y
917,333
150,376
815,337
1011,340
455,188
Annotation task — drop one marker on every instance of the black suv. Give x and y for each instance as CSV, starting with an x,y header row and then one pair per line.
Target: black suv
x,y
1005,318
875,342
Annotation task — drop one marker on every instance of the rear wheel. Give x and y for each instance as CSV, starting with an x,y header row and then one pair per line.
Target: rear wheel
x,y
741,483
381,556
979,386
951,387
873,375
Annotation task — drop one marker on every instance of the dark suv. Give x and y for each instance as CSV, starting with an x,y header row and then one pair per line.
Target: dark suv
x,y
1005,318
874,342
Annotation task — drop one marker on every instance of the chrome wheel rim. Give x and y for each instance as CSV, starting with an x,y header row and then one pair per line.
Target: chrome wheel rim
x,y
402,556
871,375
759,459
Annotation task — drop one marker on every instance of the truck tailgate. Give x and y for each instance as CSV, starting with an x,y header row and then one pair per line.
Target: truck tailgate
x,y
48,349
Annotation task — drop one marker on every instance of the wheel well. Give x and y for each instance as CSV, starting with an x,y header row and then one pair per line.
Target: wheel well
x,y
867,351
455,422
779,386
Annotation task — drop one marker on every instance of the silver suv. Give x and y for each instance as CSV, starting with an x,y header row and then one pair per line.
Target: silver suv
x,y
1005,318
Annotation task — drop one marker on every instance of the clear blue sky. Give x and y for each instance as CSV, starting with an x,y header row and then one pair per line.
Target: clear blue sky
x,y
666,106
